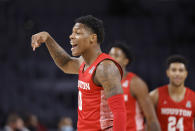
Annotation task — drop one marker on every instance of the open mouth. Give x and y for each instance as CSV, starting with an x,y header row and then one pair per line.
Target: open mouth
x,y
74,47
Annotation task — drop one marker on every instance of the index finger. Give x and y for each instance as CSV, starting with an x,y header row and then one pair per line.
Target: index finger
x,y
33,42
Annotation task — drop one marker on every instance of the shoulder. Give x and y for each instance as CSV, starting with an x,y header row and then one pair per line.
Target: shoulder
x,y
106,71
154,95
107,67
138,86
108,76
136,80
132,74
191,97
159,89
191,93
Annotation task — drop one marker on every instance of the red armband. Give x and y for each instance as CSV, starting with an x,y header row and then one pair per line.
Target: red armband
x,y
117,106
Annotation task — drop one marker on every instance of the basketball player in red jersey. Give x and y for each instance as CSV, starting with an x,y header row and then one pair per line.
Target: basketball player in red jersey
x,y
175,103
100,101
136,95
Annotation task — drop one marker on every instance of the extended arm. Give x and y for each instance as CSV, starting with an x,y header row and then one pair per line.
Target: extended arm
x,y
140,91
62,59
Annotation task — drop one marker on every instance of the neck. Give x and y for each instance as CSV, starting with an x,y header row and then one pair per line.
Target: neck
x,y
125,72
173,89
91,55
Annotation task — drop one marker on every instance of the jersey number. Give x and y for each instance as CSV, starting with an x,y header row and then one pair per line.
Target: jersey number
x,y
173,124
80,100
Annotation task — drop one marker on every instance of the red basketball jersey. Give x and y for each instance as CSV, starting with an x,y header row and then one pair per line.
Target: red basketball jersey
x,y
135,120
93,110
176,116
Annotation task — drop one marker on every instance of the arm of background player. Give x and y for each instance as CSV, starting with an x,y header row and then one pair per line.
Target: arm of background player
x,y
139,90
154,97
61,58
108,76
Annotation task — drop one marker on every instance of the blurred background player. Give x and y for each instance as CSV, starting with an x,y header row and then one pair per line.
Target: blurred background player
x,y
65,124
175,103
14,123
32,123
99,75
135,93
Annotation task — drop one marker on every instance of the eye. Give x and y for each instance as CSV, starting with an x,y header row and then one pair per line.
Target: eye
x,y
173,69
78,32
181,70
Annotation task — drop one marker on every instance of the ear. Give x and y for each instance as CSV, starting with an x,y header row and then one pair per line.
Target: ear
x,y
93,38
126,61
167,72
186,74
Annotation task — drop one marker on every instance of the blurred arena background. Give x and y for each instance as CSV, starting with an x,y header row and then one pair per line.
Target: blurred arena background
x,y
30,82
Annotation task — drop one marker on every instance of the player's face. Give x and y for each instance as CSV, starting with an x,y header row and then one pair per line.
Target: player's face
x,y
79,39
119,56
19,124
177,74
